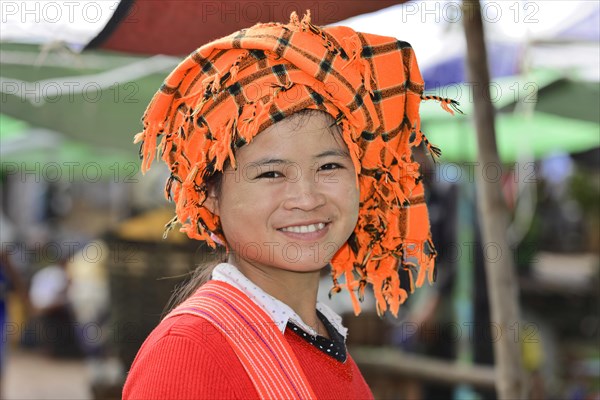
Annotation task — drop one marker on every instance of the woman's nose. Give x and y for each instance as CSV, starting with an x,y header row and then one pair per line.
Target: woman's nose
x,y
304,194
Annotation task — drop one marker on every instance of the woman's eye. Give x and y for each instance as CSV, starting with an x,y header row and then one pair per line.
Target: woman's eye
x,y
270,175
330,166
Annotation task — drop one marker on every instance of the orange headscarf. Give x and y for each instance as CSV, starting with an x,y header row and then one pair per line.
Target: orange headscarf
x,y
231,89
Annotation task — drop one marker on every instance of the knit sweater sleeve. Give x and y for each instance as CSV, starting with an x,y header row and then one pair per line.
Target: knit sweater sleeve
x,y
183,362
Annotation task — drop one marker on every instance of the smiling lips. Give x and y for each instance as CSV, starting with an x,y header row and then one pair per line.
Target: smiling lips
x,y
304,228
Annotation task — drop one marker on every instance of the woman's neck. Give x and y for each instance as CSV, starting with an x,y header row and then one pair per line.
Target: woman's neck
x,y
296,289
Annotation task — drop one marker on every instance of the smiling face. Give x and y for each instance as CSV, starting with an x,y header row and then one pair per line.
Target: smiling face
x,y
292,202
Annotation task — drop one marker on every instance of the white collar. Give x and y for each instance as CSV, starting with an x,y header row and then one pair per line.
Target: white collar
x,y
276,309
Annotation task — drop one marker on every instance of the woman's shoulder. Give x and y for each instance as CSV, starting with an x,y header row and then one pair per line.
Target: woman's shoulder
x,y
186,326
182,339
180,350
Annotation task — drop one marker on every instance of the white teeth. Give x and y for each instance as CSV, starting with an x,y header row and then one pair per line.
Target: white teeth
x,y
304,228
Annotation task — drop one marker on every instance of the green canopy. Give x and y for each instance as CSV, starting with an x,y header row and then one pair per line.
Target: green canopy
x,y
538,114
517,136
11,128
51,155
96,97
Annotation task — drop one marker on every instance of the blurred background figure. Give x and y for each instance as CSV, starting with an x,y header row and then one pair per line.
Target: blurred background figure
x,y
54,317
10,281
89,295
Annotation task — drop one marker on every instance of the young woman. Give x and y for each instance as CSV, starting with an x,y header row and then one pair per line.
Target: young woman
x,y
290,146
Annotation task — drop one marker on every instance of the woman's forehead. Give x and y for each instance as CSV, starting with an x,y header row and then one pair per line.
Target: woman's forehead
x,y
296,136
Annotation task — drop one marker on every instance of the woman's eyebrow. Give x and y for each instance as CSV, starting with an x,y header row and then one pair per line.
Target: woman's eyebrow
x,y
336,153
327,153
270,161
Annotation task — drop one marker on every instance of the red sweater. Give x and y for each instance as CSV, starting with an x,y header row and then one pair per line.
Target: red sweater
x,y
185,357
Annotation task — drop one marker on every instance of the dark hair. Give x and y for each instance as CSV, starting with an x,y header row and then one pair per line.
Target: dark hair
x,y
203,271
198,277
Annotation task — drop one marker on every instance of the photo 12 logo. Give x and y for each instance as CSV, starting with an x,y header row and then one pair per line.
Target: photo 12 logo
x,y
55,90
454,12
54,12
73,171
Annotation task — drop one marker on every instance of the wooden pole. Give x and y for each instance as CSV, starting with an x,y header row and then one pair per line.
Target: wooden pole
x,y
374,360
493,216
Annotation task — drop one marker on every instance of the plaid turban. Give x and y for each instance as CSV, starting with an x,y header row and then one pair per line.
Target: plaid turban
x,y
229,90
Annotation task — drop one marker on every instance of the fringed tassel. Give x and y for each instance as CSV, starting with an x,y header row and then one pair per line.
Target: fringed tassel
x,y
397,295
352,42
352,285
449,105
223,147
169,226
435,151
381,275
235,67
426,266
353,148
305,23
278,88
431,268
335,289
362,64
294,21
154,122
248,126
148,147
211,84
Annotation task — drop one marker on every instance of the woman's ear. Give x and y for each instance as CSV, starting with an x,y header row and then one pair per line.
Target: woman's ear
x,y
212,201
